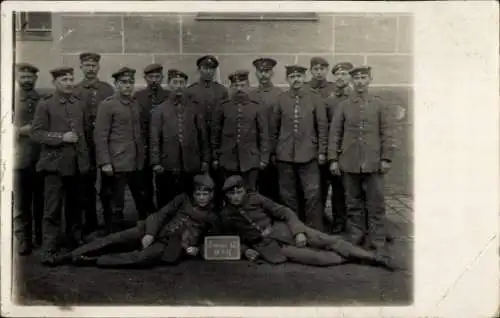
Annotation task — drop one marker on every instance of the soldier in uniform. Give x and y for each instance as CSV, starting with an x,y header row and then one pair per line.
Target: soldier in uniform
x,y
59,126
267,94
240,137
149,98
209,94
28,184
341,77
120,151
301,139
94,91
179,141
274,233
361,146
319,82
163,238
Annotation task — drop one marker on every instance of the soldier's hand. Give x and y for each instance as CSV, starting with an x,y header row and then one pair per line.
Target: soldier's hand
x,y
335,168
385,166
321,159
263,165
192,250
204,167
70,137
147,240
107,169
25,130
251,254
300,240
215,164
157,169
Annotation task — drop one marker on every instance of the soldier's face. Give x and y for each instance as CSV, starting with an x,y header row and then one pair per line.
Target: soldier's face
x,y
361,82
202,197
319,71
125,85
296,80
341,78
153,80
64,83
177,85
26,80
236,196
89,69
207,73
240,87
264,76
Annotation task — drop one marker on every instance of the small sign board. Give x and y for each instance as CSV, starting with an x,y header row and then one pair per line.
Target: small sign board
x,y
222,248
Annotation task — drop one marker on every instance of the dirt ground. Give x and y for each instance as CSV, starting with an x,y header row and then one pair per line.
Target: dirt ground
x,y
235,283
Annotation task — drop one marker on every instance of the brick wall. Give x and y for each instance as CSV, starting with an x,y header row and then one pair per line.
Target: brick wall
x,y
381,40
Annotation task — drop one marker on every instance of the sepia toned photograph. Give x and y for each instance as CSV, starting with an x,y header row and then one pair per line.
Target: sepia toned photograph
x,y
247,157
212,158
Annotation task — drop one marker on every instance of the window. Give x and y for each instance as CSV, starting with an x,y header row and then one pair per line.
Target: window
x,y
32,26
257,16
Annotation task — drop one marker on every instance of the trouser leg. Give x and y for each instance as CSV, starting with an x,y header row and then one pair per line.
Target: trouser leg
x,y
138,258
375,208
143,204
113,199
268,182
89,201
38,206
355,226
148,186
73,188
23,199
310,182
338,204
288,185
308,256
250,178
52,212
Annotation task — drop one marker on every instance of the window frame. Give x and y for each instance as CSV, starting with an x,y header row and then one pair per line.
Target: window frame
x,y
30,34
257,16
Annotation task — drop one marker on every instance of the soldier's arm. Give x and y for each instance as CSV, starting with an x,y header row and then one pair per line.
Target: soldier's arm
x,y
204,142
157,220
387,131
40,129
282,213
217,126
101,133
336,133
321,125
155,135
263,129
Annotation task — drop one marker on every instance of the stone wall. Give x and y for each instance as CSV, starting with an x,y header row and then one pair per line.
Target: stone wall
x,y
383,41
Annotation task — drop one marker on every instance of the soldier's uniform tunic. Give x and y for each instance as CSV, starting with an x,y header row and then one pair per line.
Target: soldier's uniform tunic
x,y
240,138
179,143
301,136
28,184
63,163
149,98
361,135
119,142
93,92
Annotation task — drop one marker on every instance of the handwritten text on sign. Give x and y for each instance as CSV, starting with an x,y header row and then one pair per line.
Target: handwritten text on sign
x,y
222,248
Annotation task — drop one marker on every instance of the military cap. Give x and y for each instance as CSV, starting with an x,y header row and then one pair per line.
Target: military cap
x,y
61,71
347,66
90,56
208,61
26,67
203,181
319,60
173,73
153,68
124,71
237,76
233,182
361,70
291,69
264,63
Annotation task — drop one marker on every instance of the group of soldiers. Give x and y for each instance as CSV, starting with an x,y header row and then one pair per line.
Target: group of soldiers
x,y
249,155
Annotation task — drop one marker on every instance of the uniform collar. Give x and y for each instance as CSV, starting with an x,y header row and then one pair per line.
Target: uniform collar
x,y
240,98
340,92
124,99
90,83
178,99
318,83
206,83
266,88
63,98
300,92
25,95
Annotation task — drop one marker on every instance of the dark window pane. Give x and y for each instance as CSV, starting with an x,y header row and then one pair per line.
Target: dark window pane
x,y
39,21
258,16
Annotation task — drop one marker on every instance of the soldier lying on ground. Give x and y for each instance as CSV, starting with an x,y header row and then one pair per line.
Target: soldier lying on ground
x,y
164,237
274,233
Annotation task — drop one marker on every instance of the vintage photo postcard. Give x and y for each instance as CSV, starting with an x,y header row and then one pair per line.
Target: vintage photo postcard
x,y
249,158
